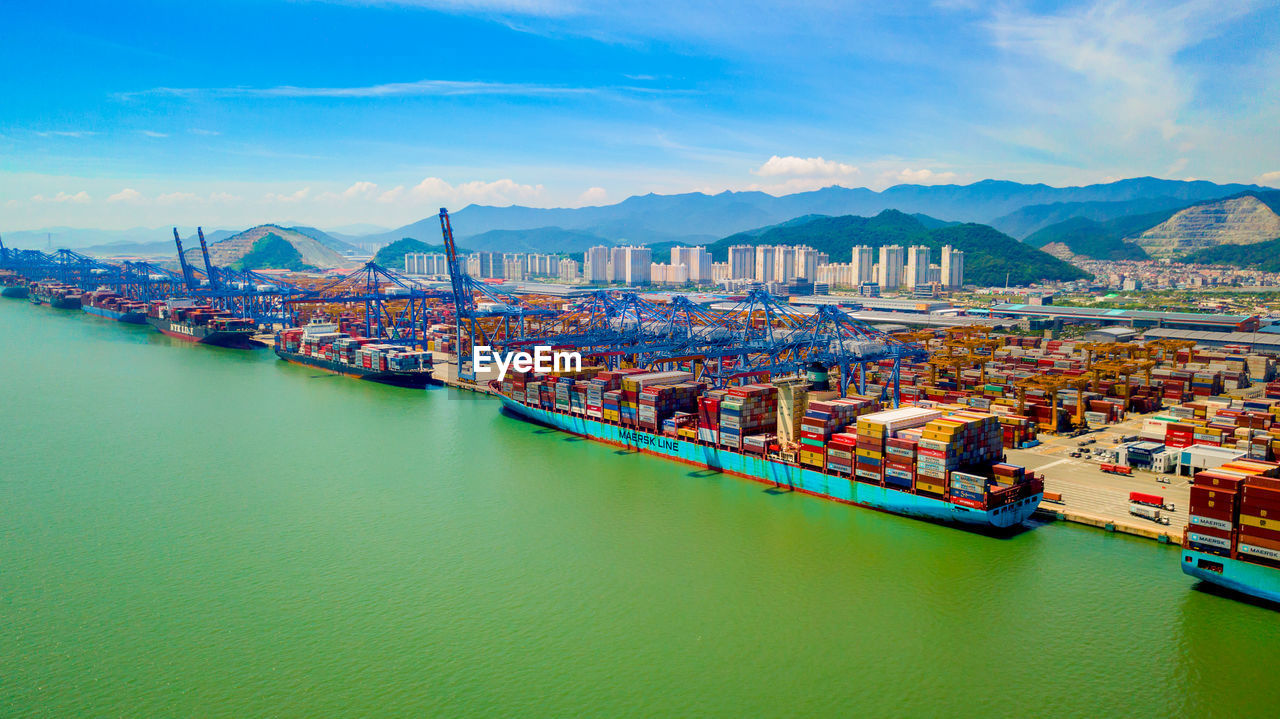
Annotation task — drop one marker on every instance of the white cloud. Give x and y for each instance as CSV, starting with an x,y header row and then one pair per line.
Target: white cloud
x,y
80,198
128,194
419,88
153,133
593,196
1178,165
173,198
360,189
298,196
1108,72
66,133
923,176
223,197
804,167
1271,179
392,195
199,131
498,192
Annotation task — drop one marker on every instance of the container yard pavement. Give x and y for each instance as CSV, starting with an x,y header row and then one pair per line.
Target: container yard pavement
x,y
1091,496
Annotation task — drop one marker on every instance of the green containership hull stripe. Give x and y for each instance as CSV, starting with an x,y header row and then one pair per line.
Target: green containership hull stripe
x,y
1248,578
841,489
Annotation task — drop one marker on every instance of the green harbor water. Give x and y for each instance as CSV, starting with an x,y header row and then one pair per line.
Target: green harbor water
x,y
191,531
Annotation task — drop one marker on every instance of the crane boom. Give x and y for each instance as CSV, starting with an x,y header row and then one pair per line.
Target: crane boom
x,y
208,266
187,277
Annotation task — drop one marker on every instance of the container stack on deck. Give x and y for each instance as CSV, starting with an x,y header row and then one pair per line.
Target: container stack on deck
x,y
1235,512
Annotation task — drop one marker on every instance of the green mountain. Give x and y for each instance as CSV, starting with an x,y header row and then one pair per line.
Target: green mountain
x,y
1100,240
990,255
541,240
271,252
1263,256
392,256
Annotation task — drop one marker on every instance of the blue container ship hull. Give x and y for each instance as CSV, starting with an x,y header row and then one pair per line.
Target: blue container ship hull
x,y
763,469
1255,580
136,318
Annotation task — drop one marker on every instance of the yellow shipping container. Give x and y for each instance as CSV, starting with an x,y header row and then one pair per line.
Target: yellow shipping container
x,y
1272,523
815,459
870,454
927,487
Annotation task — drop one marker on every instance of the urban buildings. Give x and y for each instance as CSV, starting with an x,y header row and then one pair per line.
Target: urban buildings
x,y
891,267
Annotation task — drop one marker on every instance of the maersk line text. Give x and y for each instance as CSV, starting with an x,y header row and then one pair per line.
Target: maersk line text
x,y
543,359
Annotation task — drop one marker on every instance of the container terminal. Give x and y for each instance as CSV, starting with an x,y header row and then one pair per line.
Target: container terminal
x,y
953,423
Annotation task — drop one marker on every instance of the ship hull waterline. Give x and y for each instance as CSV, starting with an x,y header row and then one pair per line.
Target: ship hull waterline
x,y
1247,578
414,380
14,291
202,335
775,473
133,318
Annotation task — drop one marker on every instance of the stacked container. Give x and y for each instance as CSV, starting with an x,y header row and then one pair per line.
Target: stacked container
x,y
746,410
873,432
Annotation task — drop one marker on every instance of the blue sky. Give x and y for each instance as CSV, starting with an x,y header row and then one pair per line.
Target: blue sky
x,y
231,112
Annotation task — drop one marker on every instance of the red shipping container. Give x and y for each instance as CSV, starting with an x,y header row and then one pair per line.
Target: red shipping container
x,y
1219,480
935,453
1215,503
1148,499
1260,541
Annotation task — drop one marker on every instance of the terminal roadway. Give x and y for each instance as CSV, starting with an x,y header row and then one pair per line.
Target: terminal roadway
x,y
1092,494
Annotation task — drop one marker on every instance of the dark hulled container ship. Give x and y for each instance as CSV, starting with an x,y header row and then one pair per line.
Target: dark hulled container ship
x,y
13,285
939,465
105,303
55,294
188,320
323,346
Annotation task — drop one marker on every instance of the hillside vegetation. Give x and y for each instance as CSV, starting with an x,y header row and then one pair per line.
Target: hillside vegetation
x,y
990,255
1263,256
392,256
272,252
1100,240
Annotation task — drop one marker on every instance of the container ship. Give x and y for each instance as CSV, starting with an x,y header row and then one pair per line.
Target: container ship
x,y
1232,538
105,303
188,320
942,463
322,345
56,295
12,285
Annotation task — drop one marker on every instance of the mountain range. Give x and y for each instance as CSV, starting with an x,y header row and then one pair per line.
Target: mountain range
x,y
697,218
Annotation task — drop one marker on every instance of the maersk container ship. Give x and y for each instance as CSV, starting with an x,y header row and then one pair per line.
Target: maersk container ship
x,y
1014,508
12,285
1251,578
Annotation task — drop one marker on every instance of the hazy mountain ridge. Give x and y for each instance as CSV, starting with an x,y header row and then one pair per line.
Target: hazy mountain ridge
x,y
699,218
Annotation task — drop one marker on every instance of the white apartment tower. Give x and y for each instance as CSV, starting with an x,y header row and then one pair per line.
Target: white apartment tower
x,y
891,266
952,267
917,266
765,263
638,261
864,264
595,264
742,262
